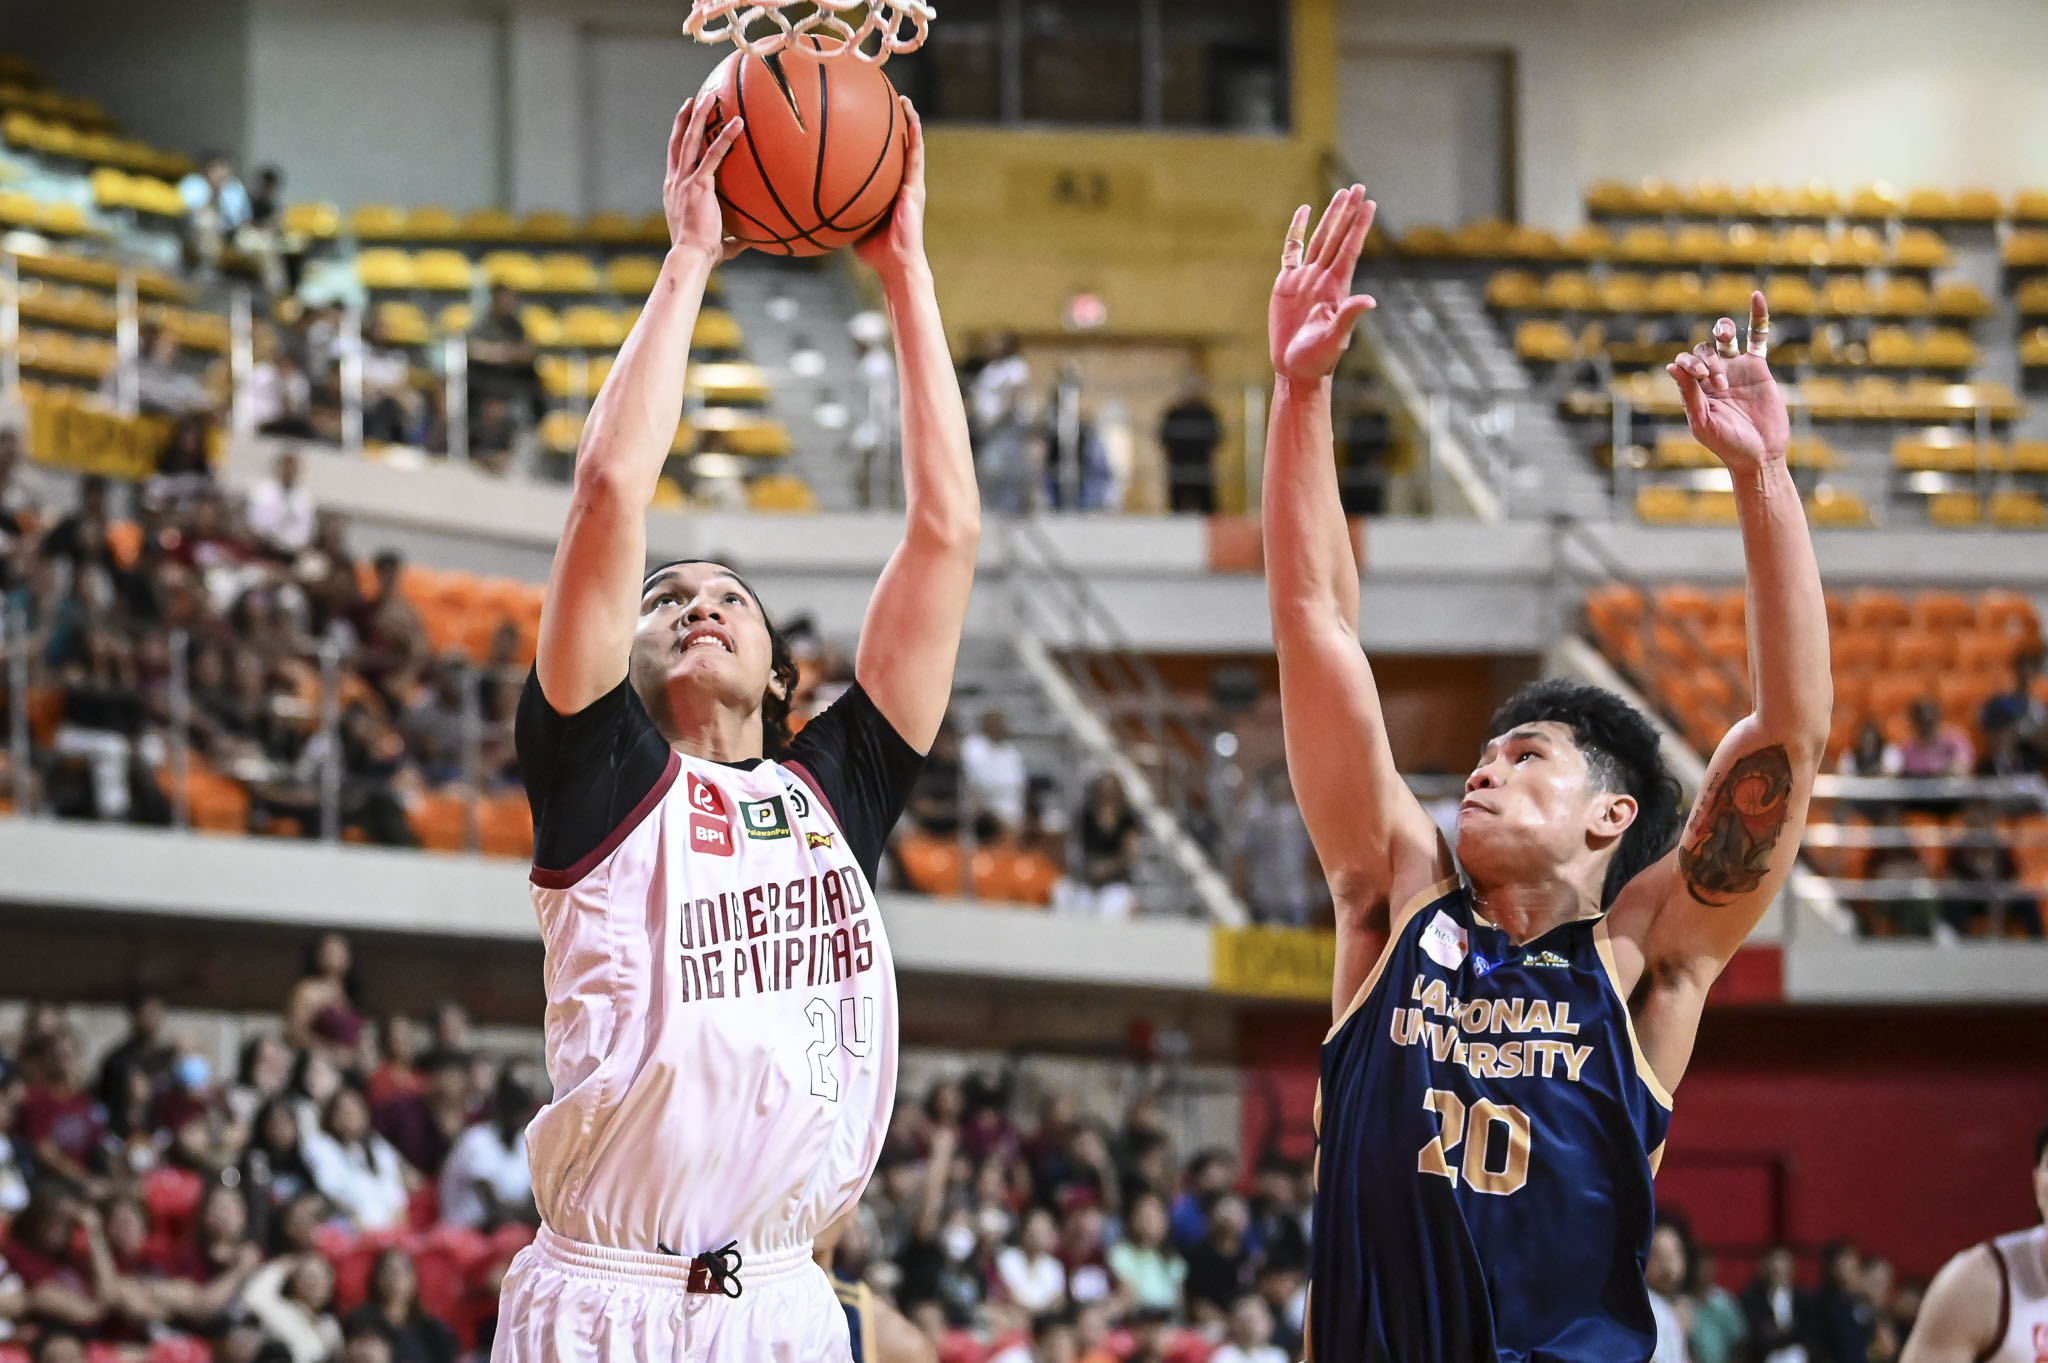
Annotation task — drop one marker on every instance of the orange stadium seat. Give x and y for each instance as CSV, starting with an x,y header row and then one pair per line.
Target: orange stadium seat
x,y
1877,608
1942,611
1892,694
505,826
932,866
1919,650
1856,650
441,822
2009,612
1986,650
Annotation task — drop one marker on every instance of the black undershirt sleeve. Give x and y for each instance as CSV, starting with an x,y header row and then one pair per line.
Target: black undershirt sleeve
x,y
864,768
585,773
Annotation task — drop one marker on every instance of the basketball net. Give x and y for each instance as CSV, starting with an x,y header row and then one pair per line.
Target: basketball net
x,y
765,27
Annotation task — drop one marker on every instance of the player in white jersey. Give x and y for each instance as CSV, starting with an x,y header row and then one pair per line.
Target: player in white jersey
x,y
721,1023
1989,1304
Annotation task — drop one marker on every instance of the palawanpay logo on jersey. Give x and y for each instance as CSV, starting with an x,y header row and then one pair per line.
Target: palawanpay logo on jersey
x,y
764,819
1445,942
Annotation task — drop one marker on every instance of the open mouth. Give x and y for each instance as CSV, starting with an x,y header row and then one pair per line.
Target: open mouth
x,y
705,636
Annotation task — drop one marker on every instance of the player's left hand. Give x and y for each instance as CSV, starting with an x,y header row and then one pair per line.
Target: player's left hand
x,y
1731,401
1314,311
898,244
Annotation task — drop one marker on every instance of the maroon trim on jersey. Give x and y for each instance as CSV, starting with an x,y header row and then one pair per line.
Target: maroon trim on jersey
x,y
562,880
2004,1304
803,774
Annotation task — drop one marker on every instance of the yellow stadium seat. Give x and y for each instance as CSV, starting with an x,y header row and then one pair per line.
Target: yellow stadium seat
x,y
621,229
442,271
1678,450
592,328
456,318
319,220
513,269
781,494
1699,244
2032,297
1715,506
1837,508
1803,246
487,224
1947,348
1678,293
1541,341
404,323
1591,242
1658,504
110,189
1712,199
1745,245
2030,205
1918,248
547,228
1953,509
383,268
569,272
1960,298
1622,292
378,222
1792,295
2026,250
1846,296
561,431
542,327
2028,456
1861,247
765,438
632,274
1814,199
1875,201
432,222
1611,198
735,383
1978,203
716,330
1645,245
1928,204
2018,509
1569,291
2034,348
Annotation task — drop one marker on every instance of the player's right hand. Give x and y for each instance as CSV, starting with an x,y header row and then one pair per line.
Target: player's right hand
x,y
689,194
1314,311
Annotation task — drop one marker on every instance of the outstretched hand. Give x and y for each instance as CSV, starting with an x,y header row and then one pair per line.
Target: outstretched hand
x,y
689,194
1731,401
1314,311
898,244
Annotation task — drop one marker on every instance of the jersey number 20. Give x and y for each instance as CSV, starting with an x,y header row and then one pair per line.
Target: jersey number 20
x,y
1475,1126
837,1029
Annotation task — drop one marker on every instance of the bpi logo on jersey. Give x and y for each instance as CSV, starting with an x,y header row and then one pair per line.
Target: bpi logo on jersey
x,y
710,828
764,819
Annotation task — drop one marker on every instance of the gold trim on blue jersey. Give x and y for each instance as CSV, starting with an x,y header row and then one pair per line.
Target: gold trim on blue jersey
x,y
1603,943
1396,925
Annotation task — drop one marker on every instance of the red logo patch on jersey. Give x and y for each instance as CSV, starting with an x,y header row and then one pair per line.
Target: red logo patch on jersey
x,y
710,829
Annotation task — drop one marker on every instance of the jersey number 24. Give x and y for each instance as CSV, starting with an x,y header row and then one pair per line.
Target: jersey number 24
x,y
850,1027
1475,1127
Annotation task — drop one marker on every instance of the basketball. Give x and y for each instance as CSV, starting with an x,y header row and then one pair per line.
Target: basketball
x,y
822,156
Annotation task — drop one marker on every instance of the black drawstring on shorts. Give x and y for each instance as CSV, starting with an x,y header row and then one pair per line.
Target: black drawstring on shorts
x,y
721,1266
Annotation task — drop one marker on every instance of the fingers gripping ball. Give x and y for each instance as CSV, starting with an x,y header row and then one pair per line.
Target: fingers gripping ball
x,y
822,156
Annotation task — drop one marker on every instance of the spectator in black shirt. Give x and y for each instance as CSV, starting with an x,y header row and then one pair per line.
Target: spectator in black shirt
x,y
144,1048
1191,431
64,542
1109,836
393,1310
1220,1265
935,799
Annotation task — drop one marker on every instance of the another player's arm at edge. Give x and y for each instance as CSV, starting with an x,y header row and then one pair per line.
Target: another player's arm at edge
x,y
1377,845
1959,1313
911,637
593,594
1677,925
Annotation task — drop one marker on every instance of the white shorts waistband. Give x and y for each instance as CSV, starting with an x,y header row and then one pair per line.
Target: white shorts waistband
x,y
575,1256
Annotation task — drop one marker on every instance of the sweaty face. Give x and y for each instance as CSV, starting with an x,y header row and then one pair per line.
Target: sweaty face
x,y
701,628
1531,804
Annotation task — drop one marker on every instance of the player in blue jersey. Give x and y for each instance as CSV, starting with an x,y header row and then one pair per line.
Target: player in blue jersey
x,y
1510,1026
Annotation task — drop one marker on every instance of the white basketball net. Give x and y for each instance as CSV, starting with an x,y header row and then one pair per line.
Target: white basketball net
x,y
765,27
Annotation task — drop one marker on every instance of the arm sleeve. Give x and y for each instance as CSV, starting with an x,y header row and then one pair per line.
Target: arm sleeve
x,y
864,769
585,773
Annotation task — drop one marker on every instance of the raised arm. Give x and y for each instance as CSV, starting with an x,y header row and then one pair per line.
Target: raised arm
x,y
1376,843
911,636
593,597
1691,912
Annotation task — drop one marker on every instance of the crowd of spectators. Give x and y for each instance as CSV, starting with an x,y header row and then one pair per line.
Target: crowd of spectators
x,y
1858,1312
100,594
1982,877
350,1194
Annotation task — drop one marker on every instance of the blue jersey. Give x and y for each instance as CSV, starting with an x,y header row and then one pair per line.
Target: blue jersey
x,y
1487,1132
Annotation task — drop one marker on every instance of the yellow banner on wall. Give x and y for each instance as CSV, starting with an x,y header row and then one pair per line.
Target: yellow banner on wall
x,y
1274,963
71,435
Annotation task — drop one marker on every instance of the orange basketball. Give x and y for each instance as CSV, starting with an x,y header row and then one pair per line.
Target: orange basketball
x,y
821,159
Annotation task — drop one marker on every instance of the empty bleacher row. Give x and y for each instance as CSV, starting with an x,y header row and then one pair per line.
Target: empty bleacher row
x,y
1894,358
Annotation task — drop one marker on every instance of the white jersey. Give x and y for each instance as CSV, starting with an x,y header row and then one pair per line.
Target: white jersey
x,y
2023,1297
721,1021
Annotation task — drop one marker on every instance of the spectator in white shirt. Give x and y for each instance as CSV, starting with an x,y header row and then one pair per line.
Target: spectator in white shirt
x,y
1031,1272
1251,1335
293,1300
996,777
280,397
281,510
357,1169
486,1182
1665,1274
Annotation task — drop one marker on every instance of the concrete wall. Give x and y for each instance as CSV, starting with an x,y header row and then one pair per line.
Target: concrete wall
x,y
1784,90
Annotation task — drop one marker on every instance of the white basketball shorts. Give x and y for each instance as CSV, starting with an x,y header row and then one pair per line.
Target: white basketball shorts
x,y
568,1302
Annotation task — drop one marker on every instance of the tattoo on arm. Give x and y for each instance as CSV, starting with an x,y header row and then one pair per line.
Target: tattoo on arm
x,y
1727,850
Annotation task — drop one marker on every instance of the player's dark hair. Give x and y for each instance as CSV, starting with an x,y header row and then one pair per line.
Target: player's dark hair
x,y
775,710
2041,1145
1623,755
